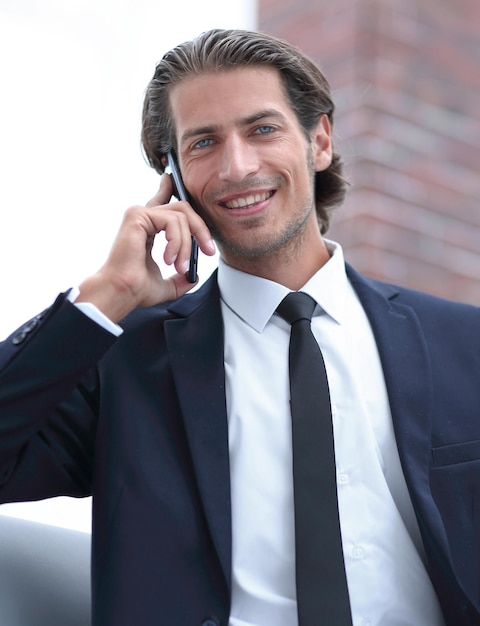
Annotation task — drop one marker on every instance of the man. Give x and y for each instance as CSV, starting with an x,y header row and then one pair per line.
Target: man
x,y
178,422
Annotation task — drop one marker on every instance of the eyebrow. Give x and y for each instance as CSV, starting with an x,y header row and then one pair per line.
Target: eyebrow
x,y
246,121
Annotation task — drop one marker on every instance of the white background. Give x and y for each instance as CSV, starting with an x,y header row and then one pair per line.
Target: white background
x,y
73,74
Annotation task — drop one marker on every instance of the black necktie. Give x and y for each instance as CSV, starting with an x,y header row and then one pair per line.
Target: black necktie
x,y
322,593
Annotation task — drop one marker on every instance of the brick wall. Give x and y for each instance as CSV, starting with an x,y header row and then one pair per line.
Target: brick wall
x,y
406,80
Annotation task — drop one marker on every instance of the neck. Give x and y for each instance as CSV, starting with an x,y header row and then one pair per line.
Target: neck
x,y
286,266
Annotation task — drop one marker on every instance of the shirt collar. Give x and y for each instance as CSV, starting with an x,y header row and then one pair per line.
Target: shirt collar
x,y
255,299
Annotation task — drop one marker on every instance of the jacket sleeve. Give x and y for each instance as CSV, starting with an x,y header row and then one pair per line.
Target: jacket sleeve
x,y
47,404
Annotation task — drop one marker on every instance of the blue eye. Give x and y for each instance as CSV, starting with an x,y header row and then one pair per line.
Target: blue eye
x,y
264,130
203,143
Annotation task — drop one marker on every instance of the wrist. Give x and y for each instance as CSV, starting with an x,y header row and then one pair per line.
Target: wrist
x,y
114,301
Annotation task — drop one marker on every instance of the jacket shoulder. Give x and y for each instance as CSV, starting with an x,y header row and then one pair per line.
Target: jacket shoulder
x,y
420,301
441,320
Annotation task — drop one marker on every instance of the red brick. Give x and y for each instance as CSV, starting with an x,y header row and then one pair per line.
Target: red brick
x,y
406,80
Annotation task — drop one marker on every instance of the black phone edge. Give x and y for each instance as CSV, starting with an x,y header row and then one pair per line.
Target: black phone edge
x,y
183,195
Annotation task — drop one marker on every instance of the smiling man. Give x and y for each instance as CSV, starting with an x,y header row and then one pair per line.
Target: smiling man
x,y
250,167
177,411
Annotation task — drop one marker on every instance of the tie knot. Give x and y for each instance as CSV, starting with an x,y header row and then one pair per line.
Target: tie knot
x,y
296,306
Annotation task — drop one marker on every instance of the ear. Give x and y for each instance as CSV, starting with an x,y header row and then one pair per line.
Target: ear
x,y
322,143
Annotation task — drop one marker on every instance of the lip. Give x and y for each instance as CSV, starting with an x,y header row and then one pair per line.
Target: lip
x,y
247,203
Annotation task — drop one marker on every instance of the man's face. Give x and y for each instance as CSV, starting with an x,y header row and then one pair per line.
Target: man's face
x,y
246,161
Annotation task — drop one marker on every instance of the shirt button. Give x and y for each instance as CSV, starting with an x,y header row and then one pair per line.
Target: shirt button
x,y
358,552
343,478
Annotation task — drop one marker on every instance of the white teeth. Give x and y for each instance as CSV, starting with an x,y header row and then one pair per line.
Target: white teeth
x,y
239,203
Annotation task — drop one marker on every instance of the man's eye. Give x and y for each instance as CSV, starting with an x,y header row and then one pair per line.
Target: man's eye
x,y
264,130
203,143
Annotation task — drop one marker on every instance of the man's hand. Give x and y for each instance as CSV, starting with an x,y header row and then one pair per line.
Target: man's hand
x,y
130,276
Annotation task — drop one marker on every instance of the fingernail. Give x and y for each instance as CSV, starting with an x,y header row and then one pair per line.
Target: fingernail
x,y
211,245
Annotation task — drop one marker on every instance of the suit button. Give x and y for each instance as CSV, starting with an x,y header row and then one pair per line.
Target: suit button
x,y
19,338
31,325
210,622
25,330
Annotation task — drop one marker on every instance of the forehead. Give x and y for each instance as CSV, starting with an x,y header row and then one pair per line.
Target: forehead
x,y
225,97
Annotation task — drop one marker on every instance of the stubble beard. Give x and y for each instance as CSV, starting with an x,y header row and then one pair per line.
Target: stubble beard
x,y
252,245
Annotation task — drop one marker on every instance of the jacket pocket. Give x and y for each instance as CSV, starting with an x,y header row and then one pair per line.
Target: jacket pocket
x,y
456,453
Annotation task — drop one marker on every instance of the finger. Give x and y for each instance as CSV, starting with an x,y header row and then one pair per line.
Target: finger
x,y
179,244
173,287
191,224
164,193
176,233
202,234
179,233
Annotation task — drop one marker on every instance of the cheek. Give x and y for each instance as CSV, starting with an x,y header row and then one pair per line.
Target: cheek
x,y
194,181
302,180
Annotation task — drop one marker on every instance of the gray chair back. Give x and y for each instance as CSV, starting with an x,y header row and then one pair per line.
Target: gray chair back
x,y
44,575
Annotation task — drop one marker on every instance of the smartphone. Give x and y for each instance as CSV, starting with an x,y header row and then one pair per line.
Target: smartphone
x,y
182,194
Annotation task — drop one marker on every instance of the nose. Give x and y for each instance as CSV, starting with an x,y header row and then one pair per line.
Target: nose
x,y
238,159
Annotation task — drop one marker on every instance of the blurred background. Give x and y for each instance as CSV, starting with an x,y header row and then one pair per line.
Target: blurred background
x,y
73,75
406,80
405,76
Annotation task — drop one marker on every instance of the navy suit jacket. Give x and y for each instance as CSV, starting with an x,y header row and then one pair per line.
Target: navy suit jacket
x,y
140,422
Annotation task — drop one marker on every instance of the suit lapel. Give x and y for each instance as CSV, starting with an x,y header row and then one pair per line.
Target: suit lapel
x,y
195,345
408,377
407,370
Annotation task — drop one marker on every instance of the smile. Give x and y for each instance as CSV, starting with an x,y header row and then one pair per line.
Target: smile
x,y
250,200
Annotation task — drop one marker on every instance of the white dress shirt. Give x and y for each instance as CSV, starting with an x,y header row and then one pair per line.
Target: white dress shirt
x,y
387,579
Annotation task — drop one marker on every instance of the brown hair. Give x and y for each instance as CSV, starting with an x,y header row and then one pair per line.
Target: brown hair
x,y
307,90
